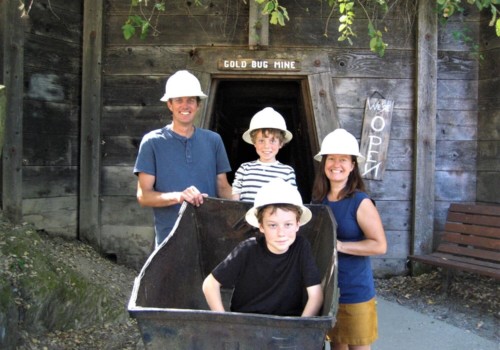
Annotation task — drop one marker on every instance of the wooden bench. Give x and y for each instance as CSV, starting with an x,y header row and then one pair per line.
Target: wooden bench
x,y
470,242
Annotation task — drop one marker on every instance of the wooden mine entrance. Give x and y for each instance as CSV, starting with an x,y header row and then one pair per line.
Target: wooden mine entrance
x,y
233,103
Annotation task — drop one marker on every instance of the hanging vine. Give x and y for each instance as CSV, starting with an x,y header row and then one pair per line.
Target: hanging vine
x,y
144,15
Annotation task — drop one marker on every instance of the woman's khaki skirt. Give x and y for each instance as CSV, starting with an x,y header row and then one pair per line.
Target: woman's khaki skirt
x,y
356,324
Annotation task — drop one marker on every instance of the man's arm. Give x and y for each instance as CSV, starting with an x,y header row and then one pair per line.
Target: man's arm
x,y
224,189
314,301
211,289
148,197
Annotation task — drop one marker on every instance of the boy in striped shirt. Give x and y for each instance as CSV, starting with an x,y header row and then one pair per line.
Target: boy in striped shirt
x,y
268,133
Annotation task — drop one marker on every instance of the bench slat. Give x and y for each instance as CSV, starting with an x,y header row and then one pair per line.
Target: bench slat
x,y
441,262
475,241
474,253
481,220
472,229
462,259
493,210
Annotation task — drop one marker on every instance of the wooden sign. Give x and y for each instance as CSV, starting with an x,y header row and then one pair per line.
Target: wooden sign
x,y
254,64
375,137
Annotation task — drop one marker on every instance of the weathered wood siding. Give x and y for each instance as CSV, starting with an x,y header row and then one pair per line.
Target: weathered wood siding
x,y
488,131
456,128
135,72
133,77
52,65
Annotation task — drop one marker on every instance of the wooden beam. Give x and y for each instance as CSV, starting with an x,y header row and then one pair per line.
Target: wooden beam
x,y
90,144
425,129
322,97
258,27
13,75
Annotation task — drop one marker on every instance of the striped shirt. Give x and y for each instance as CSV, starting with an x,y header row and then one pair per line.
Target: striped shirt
x,y
250,177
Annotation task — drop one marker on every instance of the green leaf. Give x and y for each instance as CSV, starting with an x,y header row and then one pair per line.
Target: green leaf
x,y
371,29
285,13
274,18
128,31
135,20
269,8
497,27
493,18
281,19
342,27
144,30
160,6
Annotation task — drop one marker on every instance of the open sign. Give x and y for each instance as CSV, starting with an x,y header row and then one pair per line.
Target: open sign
x,y
375,137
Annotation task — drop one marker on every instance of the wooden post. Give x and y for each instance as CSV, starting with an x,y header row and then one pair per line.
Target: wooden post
x,y
425,130
258,27
13,75
90,144
324,104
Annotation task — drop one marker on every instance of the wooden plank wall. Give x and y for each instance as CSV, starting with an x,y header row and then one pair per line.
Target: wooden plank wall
x,y
12,78
52,76
488,134
133,78
457,118
135,73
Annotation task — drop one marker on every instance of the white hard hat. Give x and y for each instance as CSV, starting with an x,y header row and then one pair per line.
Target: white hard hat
x,y
182,84
267,118
339,141
277,191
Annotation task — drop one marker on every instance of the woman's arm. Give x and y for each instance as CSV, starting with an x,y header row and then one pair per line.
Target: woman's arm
x,y
375,242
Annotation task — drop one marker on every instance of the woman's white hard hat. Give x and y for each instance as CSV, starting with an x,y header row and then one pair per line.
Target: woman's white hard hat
x,y
182,84
267,118
339,141
277,191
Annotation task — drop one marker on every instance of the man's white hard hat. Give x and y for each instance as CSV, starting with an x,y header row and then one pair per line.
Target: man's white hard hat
x,y
182,84
267,118
277,191
339,141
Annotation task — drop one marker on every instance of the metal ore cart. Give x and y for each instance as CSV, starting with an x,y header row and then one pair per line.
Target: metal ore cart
x,y
168,302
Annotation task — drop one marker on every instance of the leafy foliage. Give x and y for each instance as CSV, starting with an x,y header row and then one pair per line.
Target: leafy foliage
x,y
277,13
140,16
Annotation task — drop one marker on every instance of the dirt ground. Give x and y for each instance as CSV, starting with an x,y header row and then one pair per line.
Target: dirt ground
x,y
472,303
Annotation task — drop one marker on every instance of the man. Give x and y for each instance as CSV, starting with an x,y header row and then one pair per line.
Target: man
x,y
180,162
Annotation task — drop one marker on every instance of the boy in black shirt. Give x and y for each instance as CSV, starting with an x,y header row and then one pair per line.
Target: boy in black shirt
x,y
275,273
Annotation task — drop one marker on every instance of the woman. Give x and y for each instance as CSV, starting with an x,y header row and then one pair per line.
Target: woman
x,y
360,234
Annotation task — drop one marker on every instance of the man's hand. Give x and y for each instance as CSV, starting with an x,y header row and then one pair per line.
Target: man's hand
x,y
192,196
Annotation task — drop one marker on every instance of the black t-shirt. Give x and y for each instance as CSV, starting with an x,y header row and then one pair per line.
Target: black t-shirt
x,y
268,283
